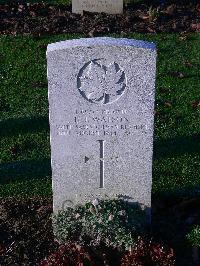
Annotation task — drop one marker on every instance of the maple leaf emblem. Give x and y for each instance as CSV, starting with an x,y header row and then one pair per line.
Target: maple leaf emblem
x,y
102,84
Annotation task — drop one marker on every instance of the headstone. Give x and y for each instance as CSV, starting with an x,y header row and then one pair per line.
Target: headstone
x,y
106,6
101,99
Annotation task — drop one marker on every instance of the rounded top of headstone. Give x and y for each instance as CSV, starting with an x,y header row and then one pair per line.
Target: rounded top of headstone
x,y
99,41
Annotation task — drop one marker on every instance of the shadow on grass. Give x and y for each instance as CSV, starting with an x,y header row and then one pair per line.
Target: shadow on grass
x,y
27,169
172,219
13,127
177,146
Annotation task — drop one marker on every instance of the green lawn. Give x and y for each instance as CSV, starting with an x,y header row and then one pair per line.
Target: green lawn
x,y
24,129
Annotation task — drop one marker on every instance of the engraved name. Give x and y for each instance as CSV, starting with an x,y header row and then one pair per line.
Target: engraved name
x,y
99,123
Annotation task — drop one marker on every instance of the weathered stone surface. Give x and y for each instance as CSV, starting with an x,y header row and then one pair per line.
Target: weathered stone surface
x,y
106,6
101,99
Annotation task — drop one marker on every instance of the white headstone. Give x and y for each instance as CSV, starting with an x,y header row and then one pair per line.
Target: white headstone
x,y
106,6
101,100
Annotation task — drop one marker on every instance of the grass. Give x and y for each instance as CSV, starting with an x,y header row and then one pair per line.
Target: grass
x,y
24,128
193,237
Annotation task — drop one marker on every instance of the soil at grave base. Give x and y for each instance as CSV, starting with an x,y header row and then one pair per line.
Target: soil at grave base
x,y
26,236
25,230
40,18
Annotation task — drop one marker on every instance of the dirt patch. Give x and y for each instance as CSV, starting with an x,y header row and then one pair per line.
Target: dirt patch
x,y
26,236
40,18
